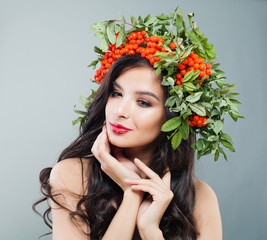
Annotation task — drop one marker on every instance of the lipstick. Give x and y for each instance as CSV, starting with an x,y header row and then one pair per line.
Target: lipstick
x,y
118,128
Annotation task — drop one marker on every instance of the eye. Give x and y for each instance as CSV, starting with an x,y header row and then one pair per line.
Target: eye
x,y
115,93
144,103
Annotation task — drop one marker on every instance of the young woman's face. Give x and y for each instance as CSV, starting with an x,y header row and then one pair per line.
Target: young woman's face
x,y
135,109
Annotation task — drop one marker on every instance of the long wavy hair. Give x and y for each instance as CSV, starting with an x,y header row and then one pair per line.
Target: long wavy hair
x,y
94,207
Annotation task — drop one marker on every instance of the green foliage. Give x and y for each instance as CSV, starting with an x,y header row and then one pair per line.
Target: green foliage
x,y
213,99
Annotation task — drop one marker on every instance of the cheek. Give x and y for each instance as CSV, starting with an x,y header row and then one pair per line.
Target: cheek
x,y
108,109
151,122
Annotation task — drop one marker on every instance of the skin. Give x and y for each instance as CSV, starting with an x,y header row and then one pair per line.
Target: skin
x,y
137,103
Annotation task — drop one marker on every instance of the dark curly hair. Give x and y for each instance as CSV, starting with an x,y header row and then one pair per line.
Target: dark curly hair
x,y
95,206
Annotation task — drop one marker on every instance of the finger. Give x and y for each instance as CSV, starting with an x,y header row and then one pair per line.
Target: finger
x,y
167,179
147,182
145,188
146,170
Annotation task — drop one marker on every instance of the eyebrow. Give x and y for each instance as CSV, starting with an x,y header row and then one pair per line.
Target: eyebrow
x,y
138,92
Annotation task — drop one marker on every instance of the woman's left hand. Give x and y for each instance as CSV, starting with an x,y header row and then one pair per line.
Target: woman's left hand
x,y
153,207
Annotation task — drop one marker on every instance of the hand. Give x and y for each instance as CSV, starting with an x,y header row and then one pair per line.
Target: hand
x,y
117,169
153,207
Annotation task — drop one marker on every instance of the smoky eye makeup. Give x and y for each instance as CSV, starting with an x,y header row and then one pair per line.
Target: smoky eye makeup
x,y
115,92
144,103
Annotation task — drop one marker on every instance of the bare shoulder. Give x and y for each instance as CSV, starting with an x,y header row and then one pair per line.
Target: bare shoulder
x,y
204,191
68,180
70,175
206,212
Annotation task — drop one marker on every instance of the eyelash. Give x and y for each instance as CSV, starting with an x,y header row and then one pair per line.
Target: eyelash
x,y
115,93
141,103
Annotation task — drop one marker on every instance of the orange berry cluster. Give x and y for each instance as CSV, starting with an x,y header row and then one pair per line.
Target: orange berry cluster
x,y
193,62
136,42
197,121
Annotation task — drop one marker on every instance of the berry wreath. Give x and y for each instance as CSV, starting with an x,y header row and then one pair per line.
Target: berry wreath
x,y
198,92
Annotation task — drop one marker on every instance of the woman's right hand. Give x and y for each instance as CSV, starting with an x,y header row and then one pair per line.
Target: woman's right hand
x,y
119,168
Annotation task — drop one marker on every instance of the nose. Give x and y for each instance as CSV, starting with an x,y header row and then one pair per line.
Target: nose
x,y
122,109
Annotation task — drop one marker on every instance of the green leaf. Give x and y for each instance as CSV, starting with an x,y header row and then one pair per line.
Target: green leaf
x,y
176,140
215,66
218,71
99,35
120,37
192,36
111,33
233,106
190,16
80,112
158,70
186,53
198,109
184,129
188,86
226,136
222,151
168,81
171,124
194,97
99,26
210,52
76,121
231,95
212,138
121,17
208,46
178,23
227,89
228,145
214,112
147,18
83,100
216,156
170,101
188,76
98,50
219,82
235,101
140,20
217,126
93,63
233,116
133,20
199,144
104,44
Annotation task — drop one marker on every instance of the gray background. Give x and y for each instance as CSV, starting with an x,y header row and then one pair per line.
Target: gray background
x,y
45,47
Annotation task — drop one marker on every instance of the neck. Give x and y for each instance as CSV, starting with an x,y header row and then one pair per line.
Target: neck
x,y
145,155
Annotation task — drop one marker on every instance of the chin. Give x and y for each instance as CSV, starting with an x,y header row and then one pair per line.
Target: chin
x,y
121,143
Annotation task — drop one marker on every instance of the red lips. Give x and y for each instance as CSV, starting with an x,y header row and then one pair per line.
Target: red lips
x,y
118,128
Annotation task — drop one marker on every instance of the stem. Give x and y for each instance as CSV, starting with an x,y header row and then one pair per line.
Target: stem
x,y
123,22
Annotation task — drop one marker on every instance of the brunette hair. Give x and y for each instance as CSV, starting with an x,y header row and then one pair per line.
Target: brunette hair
x,y
95,206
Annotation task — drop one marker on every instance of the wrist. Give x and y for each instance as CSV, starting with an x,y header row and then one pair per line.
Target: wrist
x,y
151,234
129,194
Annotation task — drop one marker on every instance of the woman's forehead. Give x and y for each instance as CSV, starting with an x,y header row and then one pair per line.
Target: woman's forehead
x,y
140,79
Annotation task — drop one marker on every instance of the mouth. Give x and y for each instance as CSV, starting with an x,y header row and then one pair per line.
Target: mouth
x,y
118,128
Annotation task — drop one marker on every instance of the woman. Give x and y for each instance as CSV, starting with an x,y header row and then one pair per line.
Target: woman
x,y
133,185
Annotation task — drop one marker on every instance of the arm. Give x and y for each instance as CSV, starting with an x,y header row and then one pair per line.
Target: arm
x,y
207,213
153,207
123,223
65,179
118,168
